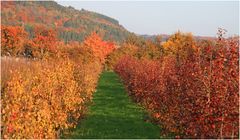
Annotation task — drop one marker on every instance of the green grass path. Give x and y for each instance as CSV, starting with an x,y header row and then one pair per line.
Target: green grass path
x,y
113,114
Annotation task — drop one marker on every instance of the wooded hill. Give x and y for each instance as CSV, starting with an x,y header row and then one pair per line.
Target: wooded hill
x,y
71,24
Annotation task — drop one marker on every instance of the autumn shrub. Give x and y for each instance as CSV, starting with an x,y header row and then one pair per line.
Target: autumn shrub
x,y
43,44
193,96
77,52
101,49
138,48
16,42
41,101
115,56
180,44
46,86
12,40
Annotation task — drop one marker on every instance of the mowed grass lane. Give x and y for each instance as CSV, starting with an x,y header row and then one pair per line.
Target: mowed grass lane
x,y
113,114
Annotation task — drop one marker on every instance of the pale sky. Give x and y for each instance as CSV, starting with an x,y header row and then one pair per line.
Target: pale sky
x,y
166,17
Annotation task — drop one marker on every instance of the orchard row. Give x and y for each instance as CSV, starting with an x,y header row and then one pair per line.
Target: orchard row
x,y
46,84
191,91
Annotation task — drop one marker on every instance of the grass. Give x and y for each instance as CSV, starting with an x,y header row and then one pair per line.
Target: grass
x,y
113,114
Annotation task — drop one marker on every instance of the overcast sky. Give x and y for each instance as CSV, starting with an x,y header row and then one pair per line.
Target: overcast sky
x,y
166,17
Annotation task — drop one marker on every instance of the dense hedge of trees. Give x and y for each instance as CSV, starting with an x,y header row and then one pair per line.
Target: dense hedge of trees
x,y
46,84
192,91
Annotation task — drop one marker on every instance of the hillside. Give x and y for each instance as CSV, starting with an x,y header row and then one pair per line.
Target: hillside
x,y
71,24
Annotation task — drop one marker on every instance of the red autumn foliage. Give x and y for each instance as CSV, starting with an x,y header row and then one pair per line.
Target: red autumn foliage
x,y
15,42
99,47
12,40
194,98
45,37
44,41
